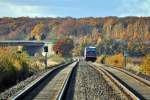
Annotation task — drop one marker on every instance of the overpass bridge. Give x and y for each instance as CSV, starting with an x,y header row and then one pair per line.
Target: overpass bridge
x,y
23,43
31,46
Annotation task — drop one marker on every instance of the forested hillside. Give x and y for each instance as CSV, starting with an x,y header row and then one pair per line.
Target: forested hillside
x,y
84,31
127,28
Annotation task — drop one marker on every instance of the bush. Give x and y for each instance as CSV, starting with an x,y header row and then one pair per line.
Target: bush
x,y
101,59
145,67
115,60
13,67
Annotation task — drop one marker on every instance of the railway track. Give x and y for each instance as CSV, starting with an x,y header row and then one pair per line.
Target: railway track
x,y
133,86
91,85
51,86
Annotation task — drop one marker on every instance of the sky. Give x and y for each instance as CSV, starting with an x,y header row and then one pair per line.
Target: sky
x,y
74,8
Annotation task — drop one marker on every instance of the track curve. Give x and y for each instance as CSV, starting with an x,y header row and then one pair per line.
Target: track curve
x,y
136,86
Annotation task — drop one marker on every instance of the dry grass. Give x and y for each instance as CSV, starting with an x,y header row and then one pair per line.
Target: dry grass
x,y
14,66
138,65
133,67
56,58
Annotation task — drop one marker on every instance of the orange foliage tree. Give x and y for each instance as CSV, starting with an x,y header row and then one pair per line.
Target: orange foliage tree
x,y
63,47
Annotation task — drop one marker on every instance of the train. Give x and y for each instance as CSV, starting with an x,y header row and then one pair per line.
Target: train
x,y
90,53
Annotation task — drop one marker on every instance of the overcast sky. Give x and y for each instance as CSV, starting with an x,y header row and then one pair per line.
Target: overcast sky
x,y
74,8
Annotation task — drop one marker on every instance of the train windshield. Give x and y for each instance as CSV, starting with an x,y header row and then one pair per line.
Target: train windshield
x,y
91,53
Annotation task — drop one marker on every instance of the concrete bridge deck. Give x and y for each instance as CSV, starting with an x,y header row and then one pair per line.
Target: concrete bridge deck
x,y
22,43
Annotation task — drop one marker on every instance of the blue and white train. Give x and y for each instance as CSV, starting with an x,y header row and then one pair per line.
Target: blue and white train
x,y
90,53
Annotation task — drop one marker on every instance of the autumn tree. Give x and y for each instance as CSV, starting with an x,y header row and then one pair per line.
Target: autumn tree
x,y
145,67
36,33
64,47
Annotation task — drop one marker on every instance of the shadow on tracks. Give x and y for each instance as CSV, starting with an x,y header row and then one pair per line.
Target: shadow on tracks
x,y
69,93
36,90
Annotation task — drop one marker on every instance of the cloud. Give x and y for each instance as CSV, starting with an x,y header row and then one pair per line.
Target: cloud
x,y
135,8
76,8
15,10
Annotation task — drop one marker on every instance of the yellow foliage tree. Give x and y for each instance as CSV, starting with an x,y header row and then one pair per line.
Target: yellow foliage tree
x,y
145,67
115,60
37,30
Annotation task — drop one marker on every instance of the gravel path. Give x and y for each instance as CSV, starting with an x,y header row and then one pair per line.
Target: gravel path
x,y
90,85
